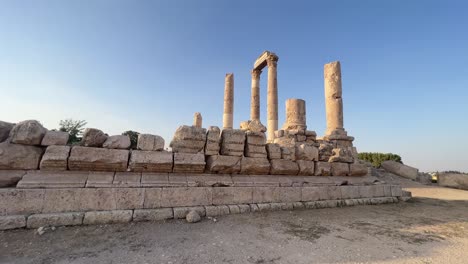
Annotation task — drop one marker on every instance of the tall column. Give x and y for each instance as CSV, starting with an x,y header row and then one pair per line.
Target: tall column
x,y
333,100
228,101
295,114
272,98
255,96
197,120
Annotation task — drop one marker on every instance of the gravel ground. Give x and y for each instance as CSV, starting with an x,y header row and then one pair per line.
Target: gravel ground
x,y
430,228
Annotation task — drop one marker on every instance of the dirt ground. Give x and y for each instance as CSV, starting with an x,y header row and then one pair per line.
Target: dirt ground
x,y
430,228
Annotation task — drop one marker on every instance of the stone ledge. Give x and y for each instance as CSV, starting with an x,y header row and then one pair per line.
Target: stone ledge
x,y
161,214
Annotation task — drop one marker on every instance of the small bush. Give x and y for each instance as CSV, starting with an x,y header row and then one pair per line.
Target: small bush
x,y
133,138
377,158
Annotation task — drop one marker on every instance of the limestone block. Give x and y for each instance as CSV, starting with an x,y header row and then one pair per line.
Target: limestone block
x,y
29,132
188,139
322,168
15,156
253,125
150,142
306,167
151,161
107,217
288,153
339,169
289,141
12,222
256,138
10,178
55,158
325,151
232,195
357,169
273,151
306,152
350,192
255,151
53,179
181,212
310,194
117,142
217,210
342,155
234,209
175,197
232,142
55,138
244,208
97,159
400,169
209,180
55,219
93,137
284,167
223,164
259,166
152,214
98,179
212,141
21,202
453,180
5,129
127,179
187,162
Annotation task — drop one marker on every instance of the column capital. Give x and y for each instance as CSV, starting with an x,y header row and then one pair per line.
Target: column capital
x,y
272,60
256,73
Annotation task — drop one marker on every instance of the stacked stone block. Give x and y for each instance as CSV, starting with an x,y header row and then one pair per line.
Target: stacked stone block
x,y
212,141
188,145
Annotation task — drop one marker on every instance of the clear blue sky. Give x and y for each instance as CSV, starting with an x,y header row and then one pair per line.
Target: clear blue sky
x,y
149,65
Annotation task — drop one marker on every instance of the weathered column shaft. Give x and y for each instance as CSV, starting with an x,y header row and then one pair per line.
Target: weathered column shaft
x,y
255,96
228,101
333,93
197,120
272,98
295,114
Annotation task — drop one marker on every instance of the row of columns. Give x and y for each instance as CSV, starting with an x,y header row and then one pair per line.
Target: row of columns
x,y
296,107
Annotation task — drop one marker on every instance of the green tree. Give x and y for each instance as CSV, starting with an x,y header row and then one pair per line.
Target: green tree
x,y
133,138
74,128
377,158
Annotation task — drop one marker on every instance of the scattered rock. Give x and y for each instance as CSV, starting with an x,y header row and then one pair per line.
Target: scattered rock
x,y
193,217
29,132
253,125
41,230
454,180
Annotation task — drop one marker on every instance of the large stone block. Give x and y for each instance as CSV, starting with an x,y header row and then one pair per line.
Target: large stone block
x,y
223,164
209,180
5,129
150,142
189,139
53,179
273,151
342,155
325,151
217,210
153,198
213,138
188,162
310,194
357,169
62,200
99,179
257,166
19,157
29,132
322,168
55,158
174,197
339,169
128,198
21,202
288,153
97,159
255,151
107,217
153,214
284,167
51,138
232,142
306,167
12,222
306,152
232,195
117,142
151,161
9,178
256,138
126,179
93,137
453,180
55,219
400,169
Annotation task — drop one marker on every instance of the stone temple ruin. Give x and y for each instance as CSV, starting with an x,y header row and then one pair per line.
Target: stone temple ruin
x,y
213,171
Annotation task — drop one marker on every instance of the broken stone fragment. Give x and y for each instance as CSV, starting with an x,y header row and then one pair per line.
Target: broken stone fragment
x,y
193,217
117,142
55,158
400,169
342,155
93,137
253,125
19,157
223,164
5,129
150,142
59,138
306,152
273,151
288,153
325,151
188,139
29,132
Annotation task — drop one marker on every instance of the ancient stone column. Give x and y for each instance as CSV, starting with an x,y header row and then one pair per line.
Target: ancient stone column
x,y
197,120
272,98
333,100
228,101
255,96
295,114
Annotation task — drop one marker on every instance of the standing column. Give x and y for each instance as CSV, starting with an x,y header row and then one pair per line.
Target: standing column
x,y
197,120
255,96
295,114
333,100
228,101
272,98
